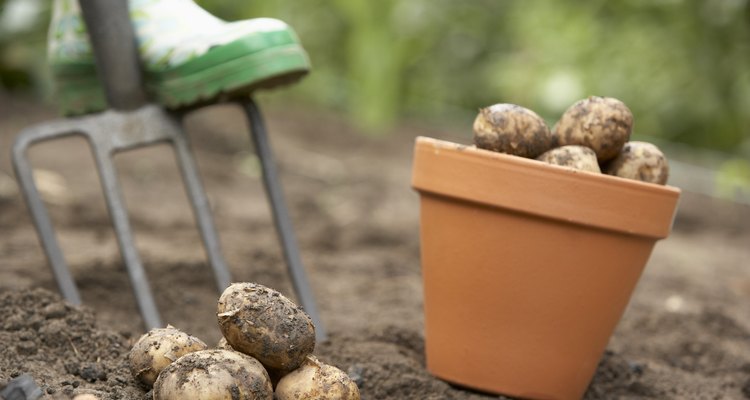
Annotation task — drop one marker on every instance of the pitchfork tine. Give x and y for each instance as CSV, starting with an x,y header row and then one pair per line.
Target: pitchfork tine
x,y
202,212
39,215
121,224
281,216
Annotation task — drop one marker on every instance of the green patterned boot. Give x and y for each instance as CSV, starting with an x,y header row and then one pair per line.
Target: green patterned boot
x,y
189,56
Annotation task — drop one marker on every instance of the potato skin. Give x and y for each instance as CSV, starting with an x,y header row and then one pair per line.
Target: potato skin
x,y
512,129
158,348
316,380
640,161
577,157
603,124
224,345
214,375
275,375
86,396
263,323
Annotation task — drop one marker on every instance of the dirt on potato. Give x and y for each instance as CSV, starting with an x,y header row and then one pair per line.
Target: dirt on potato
x,y
685,334
214,374
261,322
156,349
511,129
603,124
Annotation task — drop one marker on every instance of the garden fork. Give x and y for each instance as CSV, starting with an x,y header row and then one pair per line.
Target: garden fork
x,y
133,123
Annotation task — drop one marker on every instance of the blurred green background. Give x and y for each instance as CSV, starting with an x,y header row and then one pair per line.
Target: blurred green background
x,y
682,66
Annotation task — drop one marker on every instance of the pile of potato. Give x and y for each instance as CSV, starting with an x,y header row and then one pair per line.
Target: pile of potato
x,y
266,351
592,135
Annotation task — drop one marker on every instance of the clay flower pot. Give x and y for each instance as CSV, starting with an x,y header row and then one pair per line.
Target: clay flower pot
x,y
527,267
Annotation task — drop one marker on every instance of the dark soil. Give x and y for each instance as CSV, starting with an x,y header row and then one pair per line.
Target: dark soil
x,y
685,334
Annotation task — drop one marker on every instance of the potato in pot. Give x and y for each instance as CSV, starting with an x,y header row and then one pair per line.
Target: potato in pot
x,y
603,124
577,157
640,161
512,129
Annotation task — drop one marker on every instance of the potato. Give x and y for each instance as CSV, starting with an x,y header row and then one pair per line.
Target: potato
x,y
223,344
158,348
214,375
86,396
578,157
262,323
640,161
274,374
512,129
603,124
316,380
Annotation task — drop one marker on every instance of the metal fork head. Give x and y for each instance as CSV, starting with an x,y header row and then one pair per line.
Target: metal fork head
x,y
108,133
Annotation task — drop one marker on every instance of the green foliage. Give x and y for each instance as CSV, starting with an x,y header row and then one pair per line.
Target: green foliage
x,y
22,55
683,66
733,180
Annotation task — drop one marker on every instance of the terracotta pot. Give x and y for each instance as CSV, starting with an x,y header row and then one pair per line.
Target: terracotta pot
x,y
527,267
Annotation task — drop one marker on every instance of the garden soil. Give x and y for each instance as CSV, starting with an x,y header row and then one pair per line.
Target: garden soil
x,y
685,334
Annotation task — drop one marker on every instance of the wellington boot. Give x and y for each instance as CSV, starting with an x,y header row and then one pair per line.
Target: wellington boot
x,y
188,56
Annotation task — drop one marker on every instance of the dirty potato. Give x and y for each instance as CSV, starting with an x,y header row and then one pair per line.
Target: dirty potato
x,y
640,161
603,124
512,129
273,374
223,344
214,375
86,396
263,323
316,380
158,348
578,157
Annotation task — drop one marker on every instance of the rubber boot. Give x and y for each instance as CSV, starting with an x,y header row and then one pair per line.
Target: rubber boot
x,y
189,57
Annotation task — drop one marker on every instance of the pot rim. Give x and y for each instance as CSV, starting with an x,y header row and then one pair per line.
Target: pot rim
x,y
534,187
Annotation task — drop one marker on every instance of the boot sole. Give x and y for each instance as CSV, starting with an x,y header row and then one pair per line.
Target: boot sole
x,y
205,80
238,77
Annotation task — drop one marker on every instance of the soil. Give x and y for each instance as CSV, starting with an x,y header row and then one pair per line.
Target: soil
x,y
685,334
